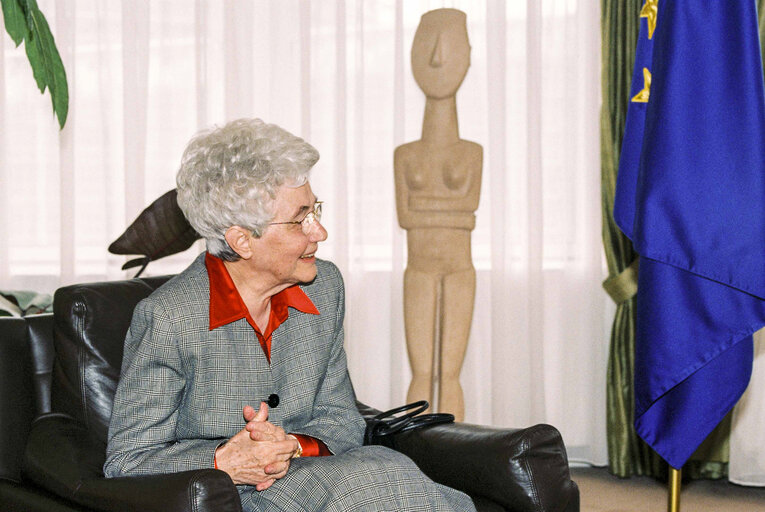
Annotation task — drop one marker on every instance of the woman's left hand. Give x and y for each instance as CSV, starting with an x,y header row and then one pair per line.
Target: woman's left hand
x,y
264,431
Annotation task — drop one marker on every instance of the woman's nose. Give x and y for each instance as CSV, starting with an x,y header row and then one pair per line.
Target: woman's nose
x,y
317,232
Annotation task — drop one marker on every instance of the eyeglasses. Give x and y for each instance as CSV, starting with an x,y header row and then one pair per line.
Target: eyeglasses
x,y
308,221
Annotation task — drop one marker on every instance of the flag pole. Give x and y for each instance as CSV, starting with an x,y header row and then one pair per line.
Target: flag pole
x,y
674,490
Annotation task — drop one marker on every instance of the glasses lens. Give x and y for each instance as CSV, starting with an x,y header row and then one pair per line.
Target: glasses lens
x,y
310,219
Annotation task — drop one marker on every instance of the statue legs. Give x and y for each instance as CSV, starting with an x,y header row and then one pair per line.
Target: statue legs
x,y
421,297
456,317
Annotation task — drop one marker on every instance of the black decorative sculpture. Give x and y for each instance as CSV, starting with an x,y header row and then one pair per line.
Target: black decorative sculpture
x,y
160,230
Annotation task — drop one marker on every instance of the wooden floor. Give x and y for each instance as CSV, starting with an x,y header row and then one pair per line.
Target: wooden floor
x,y
602,492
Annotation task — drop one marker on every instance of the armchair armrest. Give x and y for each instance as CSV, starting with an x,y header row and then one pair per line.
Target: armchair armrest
x,y
524,470
62,458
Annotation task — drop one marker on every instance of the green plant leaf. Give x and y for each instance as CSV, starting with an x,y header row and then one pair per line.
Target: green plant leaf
x,y
59,88
15,21
24,21
46,62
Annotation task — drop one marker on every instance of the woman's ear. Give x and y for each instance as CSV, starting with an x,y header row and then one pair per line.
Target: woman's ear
x,y
238,239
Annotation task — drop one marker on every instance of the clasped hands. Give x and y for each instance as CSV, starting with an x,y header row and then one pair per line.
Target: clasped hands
x,y
260,453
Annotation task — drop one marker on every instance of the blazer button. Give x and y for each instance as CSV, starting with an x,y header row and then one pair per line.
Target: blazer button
x,y
273,400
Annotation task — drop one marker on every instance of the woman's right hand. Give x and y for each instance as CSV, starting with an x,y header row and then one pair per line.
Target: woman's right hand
x,y
257,460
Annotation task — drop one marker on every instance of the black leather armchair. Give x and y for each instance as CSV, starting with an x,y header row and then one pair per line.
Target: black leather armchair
x,y
58,374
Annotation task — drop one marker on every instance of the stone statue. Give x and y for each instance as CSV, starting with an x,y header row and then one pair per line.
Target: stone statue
x,y
438,184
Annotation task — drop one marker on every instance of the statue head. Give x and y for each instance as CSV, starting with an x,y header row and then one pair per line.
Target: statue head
x,y
441,52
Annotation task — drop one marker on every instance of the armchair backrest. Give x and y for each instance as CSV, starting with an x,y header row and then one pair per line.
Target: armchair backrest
x,y
26,358
90,323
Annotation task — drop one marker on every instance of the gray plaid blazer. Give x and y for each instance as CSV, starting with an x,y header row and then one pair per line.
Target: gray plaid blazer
x,y
183,387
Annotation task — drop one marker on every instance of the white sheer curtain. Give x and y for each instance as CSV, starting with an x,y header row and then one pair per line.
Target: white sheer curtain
x,y
747,454
144,76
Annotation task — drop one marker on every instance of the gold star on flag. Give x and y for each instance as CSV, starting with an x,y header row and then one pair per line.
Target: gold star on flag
x,y
642,96
650,10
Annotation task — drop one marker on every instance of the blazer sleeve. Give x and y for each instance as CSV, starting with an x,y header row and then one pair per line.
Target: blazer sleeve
x,y
335,420
142,432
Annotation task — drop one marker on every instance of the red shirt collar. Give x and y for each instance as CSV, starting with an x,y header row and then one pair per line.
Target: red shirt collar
x,y
226,305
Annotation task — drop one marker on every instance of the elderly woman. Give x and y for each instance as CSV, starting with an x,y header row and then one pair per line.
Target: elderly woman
x,y
256,320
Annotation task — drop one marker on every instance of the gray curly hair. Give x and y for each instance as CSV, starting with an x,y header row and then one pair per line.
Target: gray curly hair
x,y
229,176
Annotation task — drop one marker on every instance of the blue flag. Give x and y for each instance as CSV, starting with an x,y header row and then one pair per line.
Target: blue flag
x,y
691,197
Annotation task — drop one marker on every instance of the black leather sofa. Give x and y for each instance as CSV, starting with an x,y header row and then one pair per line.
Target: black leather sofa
x,y
58,374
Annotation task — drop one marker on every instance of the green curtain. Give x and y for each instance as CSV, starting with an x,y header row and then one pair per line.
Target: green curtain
x,y
627,453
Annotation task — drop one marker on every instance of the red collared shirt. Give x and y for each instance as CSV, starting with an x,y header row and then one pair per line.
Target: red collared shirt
x,y
226,306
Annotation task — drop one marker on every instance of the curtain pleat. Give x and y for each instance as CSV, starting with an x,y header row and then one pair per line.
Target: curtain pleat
x,y
627,454
136,23
5,175
397,363
66,146
200,62
496,156
535,226
747,453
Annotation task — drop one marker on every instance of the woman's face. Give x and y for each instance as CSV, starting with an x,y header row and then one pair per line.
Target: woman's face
x,y
284,252
440,53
